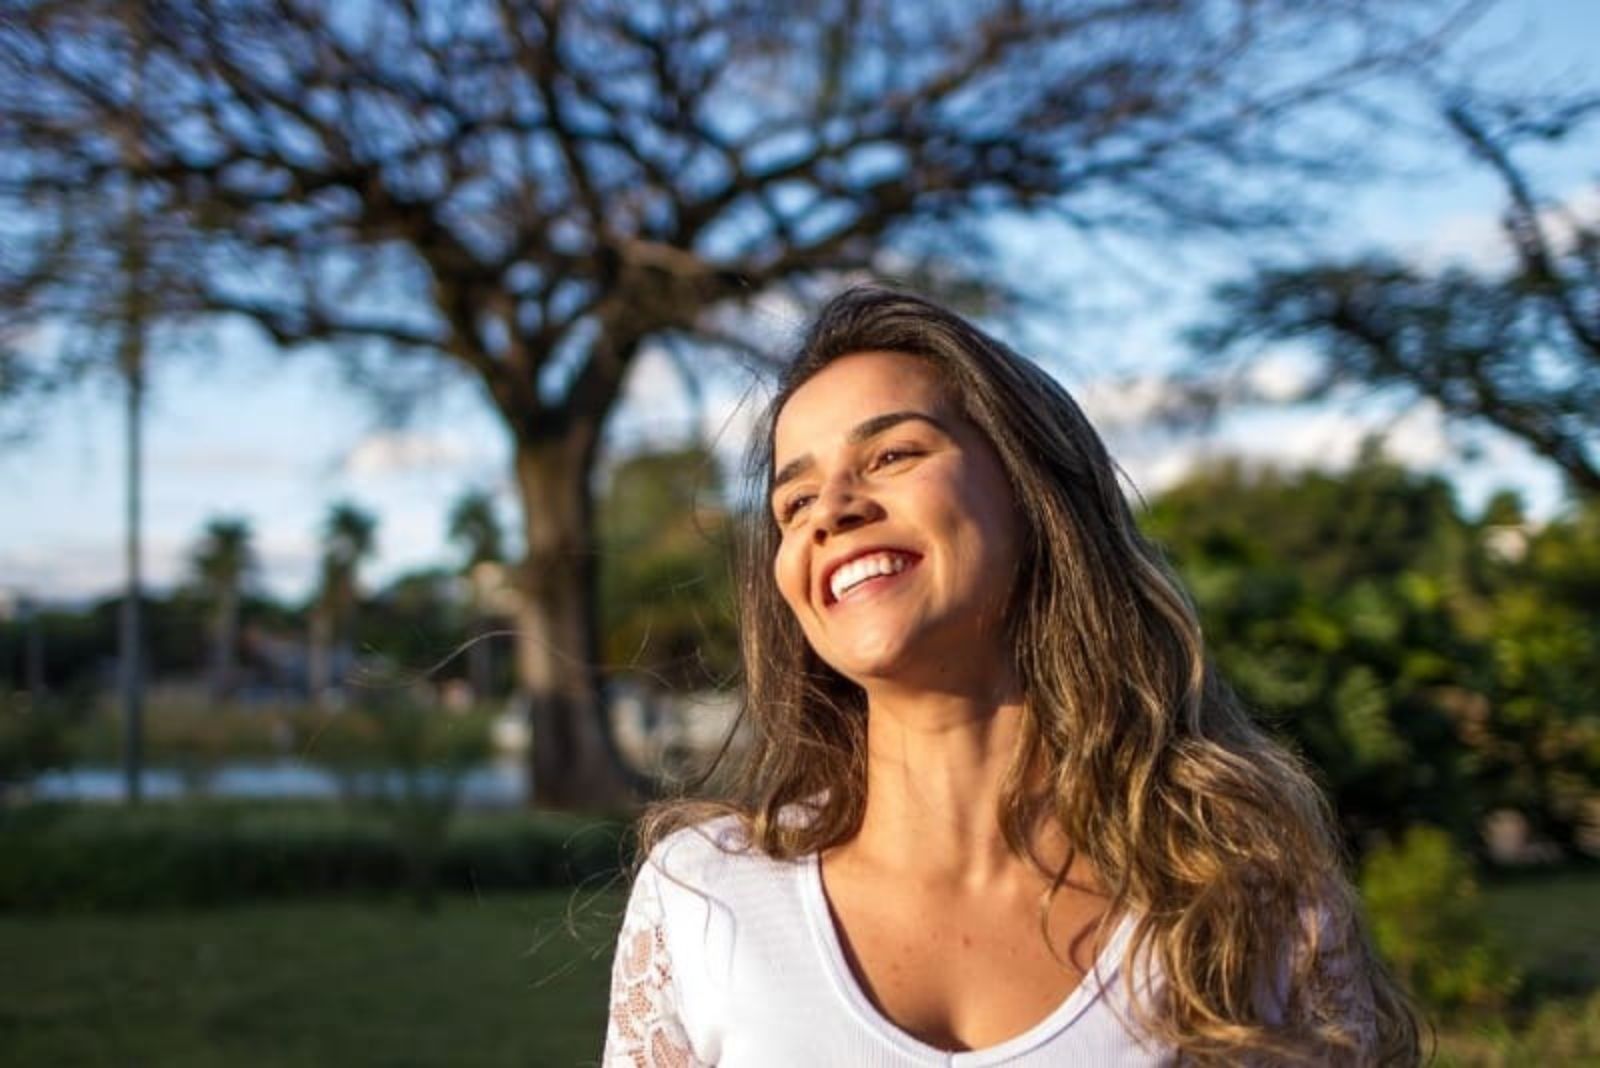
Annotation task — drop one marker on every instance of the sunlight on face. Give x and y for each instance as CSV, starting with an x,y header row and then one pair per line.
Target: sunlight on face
x,y
898,525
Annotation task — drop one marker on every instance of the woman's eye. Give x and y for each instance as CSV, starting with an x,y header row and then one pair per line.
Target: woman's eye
x,y
889,456
793,506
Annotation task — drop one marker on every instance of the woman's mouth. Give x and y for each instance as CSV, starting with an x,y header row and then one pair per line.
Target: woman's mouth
x,y
867,571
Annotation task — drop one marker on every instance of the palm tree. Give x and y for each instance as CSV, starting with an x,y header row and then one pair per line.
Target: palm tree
x,y
475,527
349,536
222,562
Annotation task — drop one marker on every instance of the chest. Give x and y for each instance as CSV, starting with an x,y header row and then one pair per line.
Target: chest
x,y
963,971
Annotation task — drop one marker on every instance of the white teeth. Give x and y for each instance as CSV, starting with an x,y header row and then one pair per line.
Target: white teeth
x,y
863,568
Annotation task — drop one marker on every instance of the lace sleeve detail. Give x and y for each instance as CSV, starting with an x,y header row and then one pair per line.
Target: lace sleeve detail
x,y
644,1029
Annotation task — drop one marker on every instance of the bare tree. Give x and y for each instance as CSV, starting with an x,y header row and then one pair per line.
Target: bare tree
x,y
534,190
1515,346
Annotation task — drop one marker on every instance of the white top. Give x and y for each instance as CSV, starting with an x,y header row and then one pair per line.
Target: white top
x,y
732,959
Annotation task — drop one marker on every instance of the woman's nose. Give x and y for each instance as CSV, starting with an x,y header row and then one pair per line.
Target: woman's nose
x,y
840,506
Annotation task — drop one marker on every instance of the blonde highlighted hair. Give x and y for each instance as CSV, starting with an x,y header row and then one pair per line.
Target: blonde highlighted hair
x,y
1207,830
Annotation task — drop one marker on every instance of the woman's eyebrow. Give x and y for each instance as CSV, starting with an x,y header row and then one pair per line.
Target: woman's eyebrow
x,y
862,431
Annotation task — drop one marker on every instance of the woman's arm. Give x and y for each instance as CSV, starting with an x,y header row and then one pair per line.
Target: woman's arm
x,y
645,1028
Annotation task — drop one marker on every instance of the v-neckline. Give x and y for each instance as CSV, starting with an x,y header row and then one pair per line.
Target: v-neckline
x,y
825,932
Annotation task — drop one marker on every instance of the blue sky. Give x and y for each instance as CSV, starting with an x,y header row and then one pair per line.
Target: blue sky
x,y
236,430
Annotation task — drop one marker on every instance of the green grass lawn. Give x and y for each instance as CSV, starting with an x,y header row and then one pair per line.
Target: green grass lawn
x,y
506,980
521,980
1550,925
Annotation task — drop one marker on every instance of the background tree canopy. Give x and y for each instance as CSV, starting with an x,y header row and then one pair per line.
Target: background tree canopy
x,y
1432,666
1515,344
531,193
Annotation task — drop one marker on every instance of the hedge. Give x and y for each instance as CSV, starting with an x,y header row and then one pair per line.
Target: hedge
x,y
84,857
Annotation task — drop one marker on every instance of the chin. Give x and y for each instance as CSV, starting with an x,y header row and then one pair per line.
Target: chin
x,y
866,663
924,659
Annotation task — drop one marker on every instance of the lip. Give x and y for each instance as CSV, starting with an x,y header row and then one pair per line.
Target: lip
x,y
826,583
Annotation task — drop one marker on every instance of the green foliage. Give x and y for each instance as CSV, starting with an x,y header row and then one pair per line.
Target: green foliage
x,y
1434,668
180,729
349,539
1538,621
58,857
1565,1032
35,736
1320,599
474,527
192,733
416,622
1428,921
405,761
79,647
225,556
665,585
401,763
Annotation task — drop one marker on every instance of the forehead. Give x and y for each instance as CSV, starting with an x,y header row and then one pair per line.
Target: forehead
x,y
851,390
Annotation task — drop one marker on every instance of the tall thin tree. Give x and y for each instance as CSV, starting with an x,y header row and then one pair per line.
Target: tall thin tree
x,y
131,362
349,538
222,562
475,528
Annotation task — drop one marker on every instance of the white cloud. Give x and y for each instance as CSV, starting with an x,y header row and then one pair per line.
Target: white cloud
x,y
1280,375
403,452
1478,460
1331,436
76,570
1478,241
286,561
1125,402
227,461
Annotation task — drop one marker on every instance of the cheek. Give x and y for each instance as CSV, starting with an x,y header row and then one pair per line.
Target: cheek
x,y
989,532
788,572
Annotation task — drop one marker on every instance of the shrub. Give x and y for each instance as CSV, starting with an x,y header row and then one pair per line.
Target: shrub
x,y
85,857
34,737
1566,1031
1427,918
405,761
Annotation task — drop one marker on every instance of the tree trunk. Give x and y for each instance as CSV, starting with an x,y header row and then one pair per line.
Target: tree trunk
x,y
319,653
480,663
573,760
225,639
33,673
131,633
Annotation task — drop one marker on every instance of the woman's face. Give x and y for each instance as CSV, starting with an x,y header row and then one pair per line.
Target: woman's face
x,y
899,531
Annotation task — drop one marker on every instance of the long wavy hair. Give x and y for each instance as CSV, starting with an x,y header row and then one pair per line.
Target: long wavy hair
x,y
1209,832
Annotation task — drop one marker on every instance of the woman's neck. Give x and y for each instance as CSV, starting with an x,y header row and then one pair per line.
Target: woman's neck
x,y
936,770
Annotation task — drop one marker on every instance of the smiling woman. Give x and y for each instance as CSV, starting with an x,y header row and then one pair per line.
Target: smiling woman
x,y
998,808
899,542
